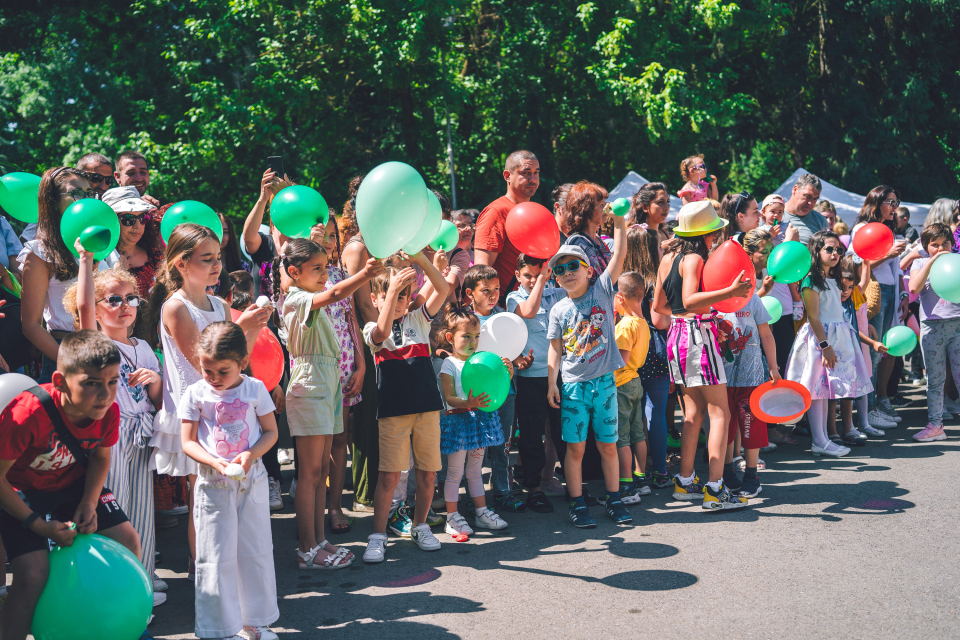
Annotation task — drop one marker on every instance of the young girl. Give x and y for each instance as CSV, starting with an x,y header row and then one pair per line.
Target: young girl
x,y
315,392
109,299
228,420
826,357
692,351
465,432
180,309
694,171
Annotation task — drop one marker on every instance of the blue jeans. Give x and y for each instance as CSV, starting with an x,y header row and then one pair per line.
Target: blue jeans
x,y
882,323
497,456
658,389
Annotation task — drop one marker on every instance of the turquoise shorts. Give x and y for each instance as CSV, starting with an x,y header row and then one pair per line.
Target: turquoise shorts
x,y
592,403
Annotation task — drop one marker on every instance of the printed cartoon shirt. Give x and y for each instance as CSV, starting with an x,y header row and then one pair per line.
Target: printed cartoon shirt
x,y
749,366
229,420
585,328
43,462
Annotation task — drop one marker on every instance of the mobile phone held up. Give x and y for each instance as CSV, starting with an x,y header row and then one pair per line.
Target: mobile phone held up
x,y
275,164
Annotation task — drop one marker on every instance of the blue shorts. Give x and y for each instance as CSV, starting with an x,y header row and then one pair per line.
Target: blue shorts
x,y
590,403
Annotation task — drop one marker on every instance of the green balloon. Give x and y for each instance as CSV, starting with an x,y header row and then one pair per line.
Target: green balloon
x,y
95,238
945,277
19,196
97,589
429,228
190,211
296,209
773,307
900,341
789,262
484,372
391,206
447,237
620,206
84,214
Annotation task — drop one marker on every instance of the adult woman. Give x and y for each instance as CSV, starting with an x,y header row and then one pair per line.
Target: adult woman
x,y
560,213
651,206
230,248
140,247
585,206
49,268
741,210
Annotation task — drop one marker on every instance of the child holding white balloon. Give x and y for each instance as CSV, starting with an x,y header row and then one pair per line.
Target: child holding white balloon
x,y
228,424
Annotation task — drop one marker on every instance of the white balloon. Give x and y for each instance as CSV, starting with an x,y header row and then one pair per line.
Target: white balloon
x,y
234,471
12,385
505,334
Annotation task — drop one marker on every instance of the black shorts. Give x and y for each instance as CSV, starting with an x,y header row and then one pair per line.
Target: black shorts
x,y
58,505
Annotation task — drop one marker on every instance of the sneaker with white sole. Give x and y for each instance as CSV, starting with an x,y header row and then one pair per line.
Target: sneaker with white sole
x,y
276,502
880,420
884,406
424,538
859,434
158,583
159,598
456,524
376,548
630,493
489,520
872,431
258,633
930,433
950,405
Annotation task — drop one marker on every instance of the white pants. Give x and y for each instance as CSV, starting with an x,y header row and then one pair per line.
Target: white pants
x,y
236,582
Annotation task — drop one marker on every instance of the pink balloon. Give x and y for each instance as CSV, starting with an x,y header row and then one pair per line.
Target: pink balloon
x,y
845,239
912,323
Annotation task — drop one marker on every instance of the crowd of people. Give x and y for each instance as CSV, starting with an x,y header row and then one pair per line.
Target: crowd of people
x,y
147,407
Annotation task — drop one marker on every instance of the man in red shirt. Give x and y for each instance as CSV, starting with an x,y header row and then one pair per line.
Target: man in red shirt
x,y
49,480
491,244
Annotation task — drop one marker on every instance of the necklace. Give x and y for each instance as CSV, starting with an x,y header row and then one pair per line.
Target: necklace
x,y
133,363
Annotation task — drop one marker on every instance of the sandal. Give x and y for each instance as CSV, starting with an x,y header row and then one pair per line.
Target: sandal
x,y
339,523
331,562
836,438
782,440
340,551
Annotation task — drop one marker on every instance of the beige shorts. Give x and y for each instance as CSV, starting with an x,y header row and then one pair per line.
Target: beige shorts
x,y
314,407
422,430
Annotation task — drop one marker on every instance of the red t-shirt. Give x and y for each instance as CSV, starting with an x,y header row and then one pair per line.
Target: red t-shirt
x,y
43,462
491,235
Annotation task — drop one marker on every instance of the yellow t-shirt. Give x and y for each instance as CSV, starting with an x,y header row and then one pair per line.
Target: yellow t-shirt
x,y
633,335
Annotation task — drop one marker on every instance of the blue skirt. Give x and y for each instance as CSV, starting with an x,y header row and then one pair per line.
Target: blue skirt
x,y
470,430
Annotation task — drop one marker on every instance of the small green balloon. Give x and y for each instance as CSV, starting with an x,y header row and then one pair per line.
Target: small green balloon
x,y
789,262
19,195
190,211
429,228
484,372
773,307
89,213
620,206
447,237
95,238
900,341
297,209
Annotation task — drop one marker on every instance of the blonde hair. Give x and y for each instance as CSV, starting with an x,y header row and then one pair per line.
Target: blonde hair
x,y
841,228
100,281
685,166
754,240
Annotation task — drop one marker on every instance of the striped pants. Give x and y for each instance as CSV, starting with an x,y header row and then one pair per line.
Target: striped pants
x,y
132,484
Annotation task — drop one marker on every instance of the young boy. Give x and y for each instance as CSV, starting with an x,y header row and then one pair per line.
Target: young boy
x,y
532,301
409,400
241,290
581,335
50,481
633,340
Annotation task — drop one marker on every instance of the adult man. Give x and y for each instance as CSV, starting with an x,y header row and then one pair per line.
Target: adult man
x,y
491,244
100,168
132,171
798,210
904,228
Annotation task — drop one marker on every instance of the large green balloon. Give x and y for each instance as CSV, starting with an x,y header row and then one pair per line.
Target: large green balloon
x,y
900,341
296,209
447,237
190,211
789,262
945,277
19,197
484,372
391,207
97,589
773,307
429,228
86,213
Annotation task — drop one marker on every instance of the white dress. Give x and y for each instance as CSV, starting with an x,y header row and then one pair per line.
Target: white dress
x,y
178,374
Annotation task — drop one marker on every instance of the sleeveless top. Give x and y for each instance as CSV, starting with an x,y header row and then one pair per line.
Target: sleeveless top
x,y
673,287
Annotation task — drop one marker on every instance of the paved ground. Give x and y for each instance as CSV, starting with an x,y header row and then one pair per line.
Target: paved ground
x,y
863,546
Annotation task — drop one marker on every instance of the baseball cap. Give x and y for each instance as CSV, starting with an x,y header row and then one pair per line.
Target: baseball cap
x,y
568,250
771,199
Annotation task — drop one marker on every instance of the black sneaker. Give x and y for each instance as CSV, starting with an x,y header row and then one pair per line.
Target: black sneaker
x,y
580,516
732,481
617,511
661,480
509,503
899,401
538,502
751,487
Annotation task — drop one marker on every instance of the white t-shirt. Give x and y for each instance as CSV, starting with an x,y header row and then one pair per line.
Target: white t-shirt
x,y
139,356
453,367
229,420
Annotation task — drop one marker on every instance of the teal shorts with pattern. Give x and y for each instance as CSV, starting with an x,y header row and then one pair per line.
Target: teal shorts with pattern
x,y
592,403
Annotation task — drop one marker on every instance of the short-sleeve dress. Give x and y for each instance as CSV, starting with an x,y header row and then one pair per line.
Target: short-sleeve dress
x,y
341,314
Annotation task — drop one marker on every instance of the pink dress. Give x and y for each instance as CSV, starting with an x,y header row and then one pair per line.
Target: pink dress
x,y
694,195
341,314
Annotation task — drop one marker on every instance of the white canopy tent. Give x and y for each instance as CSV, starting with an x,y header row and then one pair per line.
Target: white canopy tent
x,y
629,186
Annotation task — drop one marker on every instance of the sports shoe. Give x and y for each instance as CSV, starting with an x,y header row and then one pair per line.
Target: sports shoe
x,y
376,548
433,518
456,523
258,633
424,538
951,405
661,480
751,487
771,446
489,520
687,492
899,401
283,457
552,488
292,492
831,449
587,498
629,494
722,499
579,514
640,483
159,598
880,420
276,502
538,503
158,583
872,431
884,406
358,507
617,511
673,441
732,481
509,503
399,522
930,433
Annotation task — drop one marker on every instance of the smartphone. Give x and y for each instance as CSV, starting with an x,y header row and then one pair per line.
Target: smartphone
x,y
275,164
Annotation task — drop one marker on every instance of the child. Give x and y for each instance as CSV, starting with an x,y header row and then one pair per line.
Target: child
x,y
465,432
582,349
59,469
939,328
692,351
315,395
228,419
408,401
771,212
110,299
826,357
241,290
633,341
533,301
694,171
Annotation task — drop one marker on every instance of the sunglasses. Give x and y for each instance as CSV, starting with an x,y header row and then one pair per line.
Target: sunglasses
x,y
832,250
130,219
80,194
700,167
115,301
743,195
892,202
96,178
572,267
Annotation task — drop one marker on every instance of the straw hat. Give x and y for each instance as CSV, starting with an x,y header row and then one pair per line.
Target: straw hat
x,y
698,219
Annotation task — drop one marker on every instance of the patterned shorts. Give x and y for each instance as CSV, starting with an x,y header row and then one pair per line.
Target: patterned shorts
x,y
692,352
592,403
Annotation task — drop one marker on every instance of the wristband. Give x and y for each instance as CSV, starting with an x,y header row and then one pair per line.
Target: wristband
x,y
26,522
904,294
824,344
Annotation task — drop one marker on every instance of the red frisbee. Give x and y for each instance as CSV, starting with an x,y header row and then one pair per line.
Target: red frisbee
x,y
779,402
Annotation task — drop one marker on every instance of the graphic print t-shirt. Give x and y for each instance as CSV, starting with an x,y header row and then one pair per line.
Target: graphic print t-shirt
x,y
585,328
749,366
228,420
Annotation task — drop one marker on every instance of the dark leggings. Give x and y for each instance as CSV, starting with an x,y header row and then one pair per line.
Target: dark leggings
x,y
657,389
783,337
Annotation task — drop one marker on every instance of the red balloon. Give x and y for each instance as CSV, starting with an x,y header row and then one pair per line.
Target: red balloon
x,y
723,265
873,241
266,361
533,230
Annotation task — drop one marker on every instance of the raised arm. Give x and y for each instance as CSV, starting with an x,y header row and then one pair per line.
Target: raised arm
x,y
918,278
355,256
440,286
86,296
398,281
615,268
345,288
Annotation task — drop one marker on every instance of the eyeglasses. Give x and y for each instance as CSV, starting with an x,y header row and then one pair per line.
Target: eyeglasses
x,y
832,250
891,202
130,219
96,178
80,194
572,267
115,301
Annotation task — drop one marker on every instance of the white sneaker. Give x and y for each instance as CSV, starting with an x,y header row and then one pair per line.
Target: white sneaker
x,y
879,419
293,489
158,583
358,507
159,598
950,405
831,449
276,502
457,524
376,548
424,538
258,633
887,409
283,457
631,495
870,431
